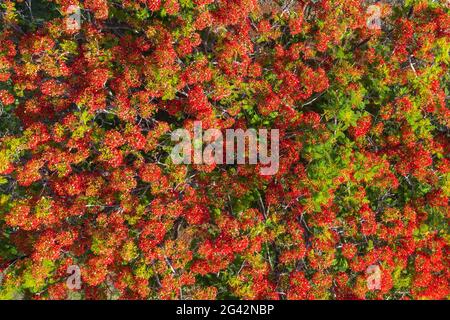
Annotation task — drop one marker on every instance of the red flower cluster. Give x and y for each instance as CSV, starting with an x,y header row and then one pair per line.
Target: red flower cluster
x,y
359,208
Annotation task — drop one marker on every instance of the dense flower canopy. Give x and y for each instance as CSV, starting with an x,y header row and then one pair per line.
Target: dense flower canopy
x,y
90,91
